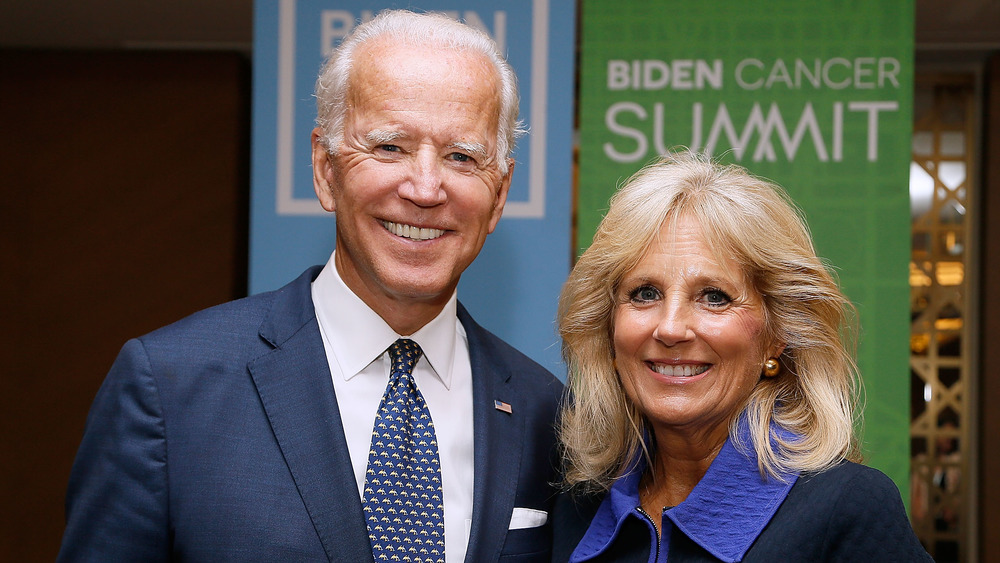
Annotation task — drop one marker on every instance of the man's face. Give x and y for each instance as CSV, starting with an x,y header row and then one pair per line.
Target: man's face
x,y
415,183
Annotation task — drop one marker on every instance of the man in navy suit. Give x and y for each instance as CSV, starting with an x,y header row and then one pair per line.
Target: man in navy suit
x,y
243,432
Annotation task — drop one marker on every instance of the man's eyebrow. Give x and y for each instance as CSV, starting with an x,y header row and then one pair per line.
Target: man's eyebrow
x,y
381,136
477,149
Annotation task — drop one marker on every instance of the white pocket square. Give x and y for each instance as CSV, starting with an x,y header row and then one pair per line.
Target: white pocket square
x,y
527,518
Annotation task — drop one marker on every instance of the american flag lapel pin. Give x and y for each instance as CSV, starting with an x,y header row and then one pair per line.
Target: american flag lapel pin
x,y
501,406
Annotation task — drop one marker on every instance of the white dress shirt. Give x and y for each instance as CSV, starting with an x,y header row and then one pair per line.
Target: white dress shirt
x,y
356,340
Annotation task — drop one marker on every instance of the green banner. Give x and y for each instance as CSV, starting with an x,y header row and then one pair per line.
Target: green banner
x,y
816,96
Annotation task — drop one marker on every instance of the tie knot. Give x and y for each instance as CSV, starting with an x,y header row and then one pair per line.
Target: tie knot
x,y
404,353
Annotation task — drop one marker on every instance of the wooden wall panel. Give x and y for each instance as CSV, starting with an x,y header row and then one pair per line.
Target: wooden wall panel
x,y
989,398
124,179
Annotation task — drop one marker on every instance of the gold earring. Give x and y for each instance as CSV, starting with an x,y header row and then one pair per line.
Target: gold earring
x,y
771,367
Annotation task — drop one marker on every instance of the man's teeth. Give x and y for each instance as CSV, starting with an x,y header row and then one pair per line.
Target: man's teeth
x,y
679,371
410,232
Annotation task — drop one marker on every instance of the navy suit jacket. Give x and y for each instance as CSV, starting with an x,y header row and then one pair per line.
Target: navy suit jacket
x,y
218,438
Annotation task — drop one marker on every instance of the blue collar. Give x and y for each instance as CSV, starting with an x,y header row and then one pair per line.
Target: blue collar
x,y
725,512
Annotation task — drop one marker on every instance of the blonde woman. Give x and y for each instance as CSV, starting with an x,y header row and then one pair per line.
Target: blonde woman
x,y
712,385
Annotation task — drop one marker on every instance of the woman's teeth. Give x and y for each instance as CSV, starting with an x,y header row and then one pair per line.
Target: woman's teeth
x,y
679,371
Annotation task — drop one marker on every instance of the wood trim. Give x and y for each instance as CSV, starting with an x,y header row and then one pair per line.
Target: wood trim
x,y
989,388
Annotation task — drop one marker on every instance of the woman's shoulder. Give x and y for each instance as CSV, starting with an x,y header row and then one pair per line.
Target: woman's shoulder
x,y
571,517
848,512
848,480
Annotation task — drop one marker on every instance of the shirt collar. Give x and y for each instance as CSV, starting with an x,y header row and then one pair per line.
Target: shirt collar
x,y
620,503
367,336
732,504
725,513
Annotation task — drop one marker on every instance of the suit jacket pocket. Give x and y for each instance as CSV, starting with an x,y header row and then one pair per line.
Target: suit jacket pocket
x,y
528,545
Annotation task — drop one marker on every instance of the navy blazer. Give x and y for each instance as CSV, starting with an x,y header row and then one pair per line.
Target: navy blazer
x,y
218,438
847,513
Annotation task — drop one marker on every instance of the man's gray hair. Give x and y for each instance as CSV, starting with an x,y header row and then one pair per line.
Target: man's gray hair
x,y
417,29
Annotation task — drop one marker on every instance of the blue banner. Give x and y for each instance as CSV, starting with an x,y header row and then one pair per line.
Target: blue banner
x,y
513,286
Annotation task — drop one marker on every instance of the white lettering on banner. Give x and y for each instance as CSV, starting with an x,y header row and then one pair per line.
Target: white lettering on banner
x,y
611,121
760,126
764,127
837,73
654,74
873,108
337,24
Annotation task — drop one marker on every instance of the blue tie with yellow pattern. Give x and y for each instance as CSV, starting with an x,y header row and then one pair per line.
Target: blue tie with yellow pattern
x,y
402,498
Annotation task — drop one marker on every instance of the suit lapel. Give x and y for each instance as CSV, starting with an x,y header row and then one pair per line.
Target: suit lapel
x,y
294,385
497,436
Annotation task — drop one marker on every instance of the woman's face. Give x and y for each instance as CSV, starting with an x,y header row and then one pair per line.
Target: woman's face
x,y
689,334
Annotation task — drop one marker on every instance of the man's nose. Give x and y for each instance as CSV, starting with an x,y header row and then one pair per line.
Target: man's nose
x,y
425,186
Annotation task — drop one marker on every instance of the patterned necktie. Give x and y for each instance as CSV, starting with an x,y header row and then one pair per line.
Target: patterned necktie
x,y
402,499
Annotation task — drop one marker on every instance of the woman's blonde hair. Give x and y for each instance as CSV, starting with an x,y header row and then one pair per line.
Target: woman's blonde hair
x,y
753,222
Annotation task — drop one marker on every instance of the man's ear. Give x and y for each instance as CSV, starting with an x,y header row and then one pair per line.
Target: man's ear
x,y
501,199
322,172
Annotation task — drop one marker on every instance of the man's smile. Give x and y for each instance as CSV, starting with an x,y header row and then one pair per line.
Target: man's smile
x,y
411,232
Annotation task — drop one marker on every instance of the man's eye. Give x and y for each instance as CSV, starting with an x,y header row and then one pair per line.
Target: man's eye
x,y
461,157
388,148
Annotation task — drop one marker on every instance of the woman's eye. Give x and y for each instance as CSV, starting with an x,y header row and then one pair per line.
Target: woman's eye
x,y
716,297
644,294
